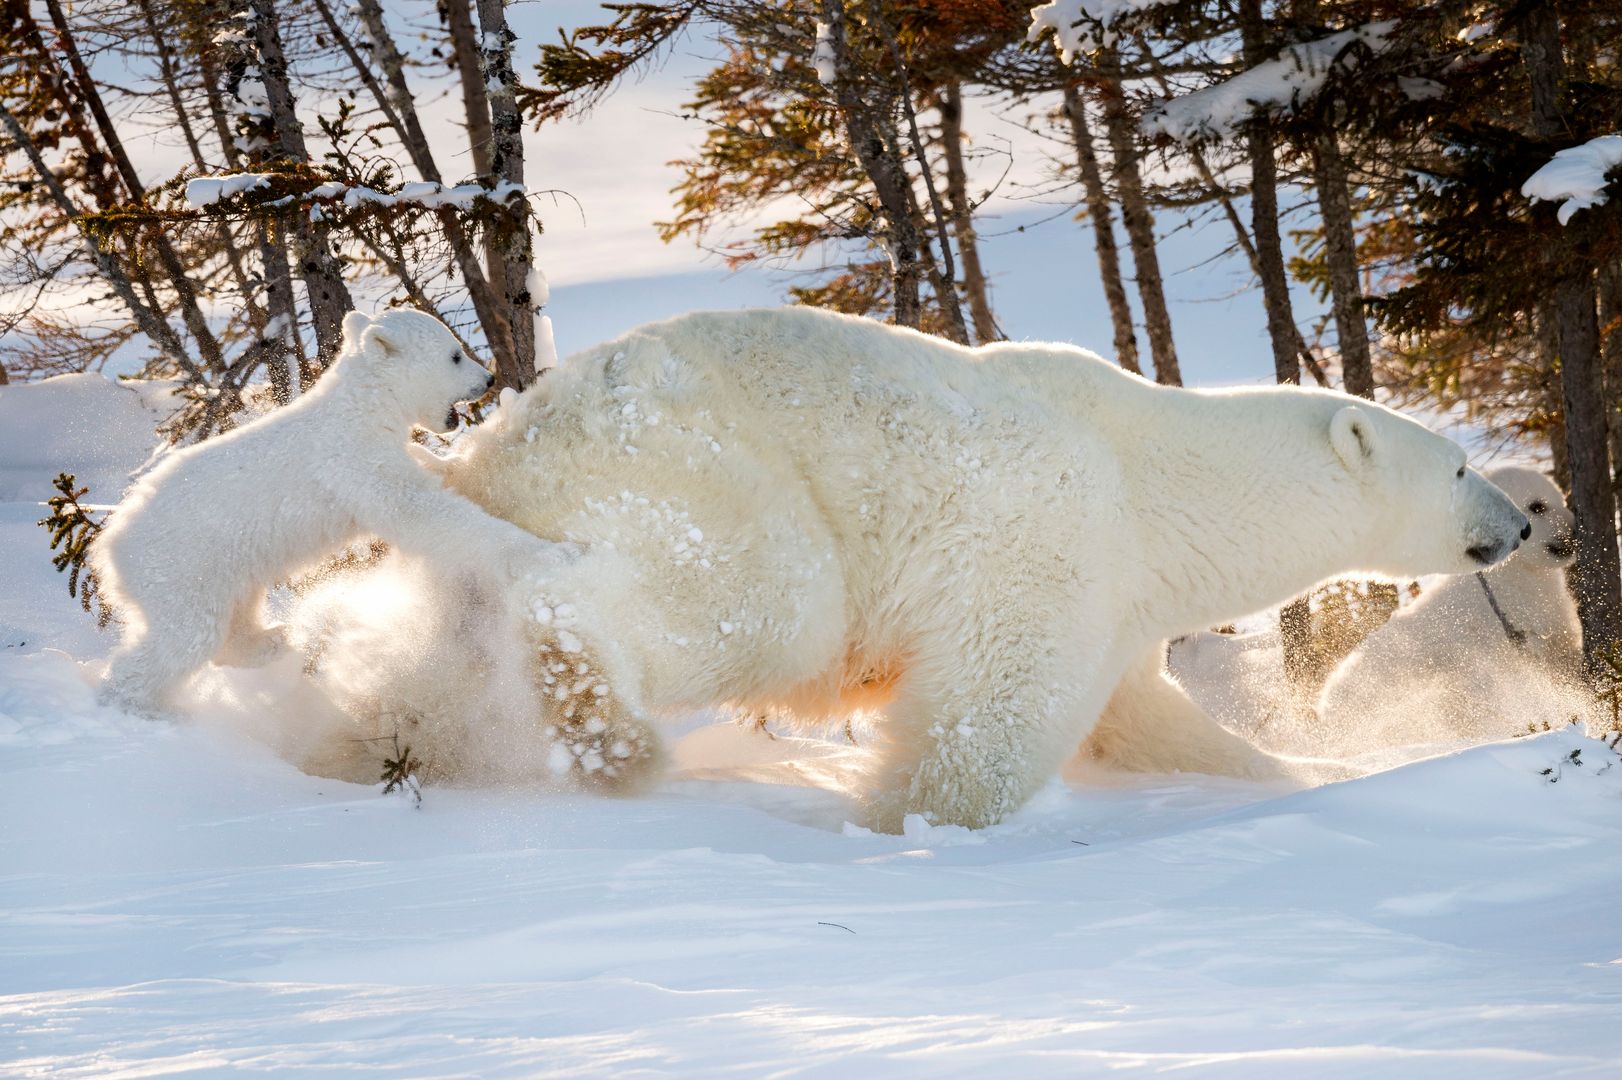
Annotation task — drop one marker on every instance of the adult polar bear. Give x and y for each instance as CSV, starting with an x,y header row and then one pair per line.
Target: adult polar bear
x,y
803,510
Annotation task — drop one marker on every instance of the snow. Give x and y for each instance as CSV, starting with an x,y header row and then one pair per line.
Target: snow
x,y
1074,22
1576,176
207,190
177,897
822,56
1282,84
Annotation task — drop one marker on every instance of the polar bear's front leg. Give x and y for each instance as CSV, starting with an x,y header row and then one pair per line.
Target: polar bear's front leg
x,y
1151,725
968,740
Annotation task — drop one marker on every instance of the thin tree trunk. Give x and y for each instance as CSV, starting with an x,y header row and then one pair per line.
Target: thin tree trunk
x,y
318,267
280,331
1295,618
882,163
943,276
1610,326
1596,579
511,244
170,74
1230,211
470,73
1340,249
957,193
1098,212
1139,221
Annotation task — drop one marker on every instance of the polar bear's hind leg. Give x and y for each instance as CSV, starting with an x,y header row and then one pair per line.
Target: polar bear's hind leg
x,y
599,738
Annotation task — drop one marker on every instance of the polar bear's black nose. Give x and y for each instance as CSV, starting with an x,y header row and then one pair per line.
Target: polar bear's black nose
x,y
1526,531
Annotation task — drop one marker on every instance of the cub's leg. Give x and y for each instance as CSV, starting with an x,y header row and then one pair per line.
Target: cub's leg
x,y
169,634
1151,725
248,641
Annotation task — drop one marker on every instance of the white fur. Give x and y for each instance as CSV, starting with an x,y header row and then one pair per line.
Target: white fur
x,y
986,548
1446,666
187,556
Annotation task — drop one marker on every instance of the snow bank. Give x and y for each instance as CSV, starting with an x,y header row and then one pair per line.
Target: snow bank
x,y
1075,23
1282,84
88,425
1576,176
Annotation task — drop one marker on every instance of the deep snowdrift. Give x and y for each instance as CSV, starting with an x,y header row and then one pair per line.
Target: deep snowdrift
x,y
177,898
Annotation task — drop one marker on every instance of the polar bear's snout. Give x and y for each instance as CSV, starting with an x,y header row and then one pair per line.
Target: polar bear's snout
x,y
1499,531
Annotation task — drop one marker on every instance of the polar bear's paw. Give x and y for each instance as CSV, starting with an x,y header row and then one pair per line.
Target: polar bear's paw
x,y
598,740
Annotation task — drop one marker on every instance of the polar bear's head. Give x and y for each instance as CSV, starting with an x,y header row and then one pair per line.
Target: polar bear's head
x,y
1430,512
1552,545
414,359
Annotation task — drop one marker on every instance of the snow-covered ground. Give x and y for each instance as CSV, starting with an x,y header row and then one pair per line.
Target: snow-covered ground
x,y
174,898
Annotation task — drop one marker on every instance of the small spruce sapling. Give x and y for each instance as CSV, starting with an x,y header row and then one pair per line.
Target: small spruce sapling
x,y
73,530
400,772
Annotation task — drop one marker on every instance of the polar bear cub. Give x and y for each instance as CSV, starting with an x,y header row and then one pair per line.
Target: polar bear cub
x,y
187,556
1480,654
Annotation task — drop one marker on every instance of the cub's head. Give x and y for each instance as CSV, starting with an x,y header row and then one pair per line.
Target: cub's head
x,y
1425,510
415,359
1552,545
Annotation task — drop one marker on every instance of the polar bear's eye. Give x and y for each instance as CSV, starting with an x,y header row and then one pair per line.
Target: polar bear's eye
x,y
456,357
1537,506
1460,473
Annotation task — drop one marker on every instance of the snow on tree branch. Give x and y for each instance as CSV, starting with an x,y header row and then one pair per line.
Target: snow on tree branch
x,y
1280,85
1080,25
207,190
1575,177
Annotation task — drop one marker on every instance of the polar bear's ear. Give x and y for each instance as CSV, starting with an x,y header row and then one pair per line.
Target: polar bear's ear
x,y
1352,436
379,339
355,324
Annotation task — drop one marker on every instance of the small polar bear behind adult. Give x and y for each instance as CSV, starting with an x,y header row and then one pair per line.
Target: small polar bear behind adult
x,y
188,554
1478,655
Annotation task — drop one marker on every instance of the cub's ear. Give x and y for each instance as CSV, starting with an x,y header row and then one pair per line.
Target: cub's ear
x,y
1352,436
379,339
355,324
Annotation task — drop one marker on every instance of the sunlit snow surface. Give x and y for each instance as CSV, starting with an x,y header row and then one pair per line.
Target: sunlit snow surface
x,y
174,898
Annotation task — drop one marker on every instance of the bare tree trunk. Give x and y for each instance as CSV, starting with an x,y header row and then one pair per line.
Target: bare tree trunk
x,y
1098,212
957,193
470,73
1596,579
281,326
511,244
1121,129
318,267
1340,249
1295,618
1610,328
882,163
943,276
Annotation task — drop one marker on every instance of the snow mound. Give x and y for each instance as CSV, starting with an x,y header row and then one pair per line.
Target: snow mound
x,y
1576,177
88,425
